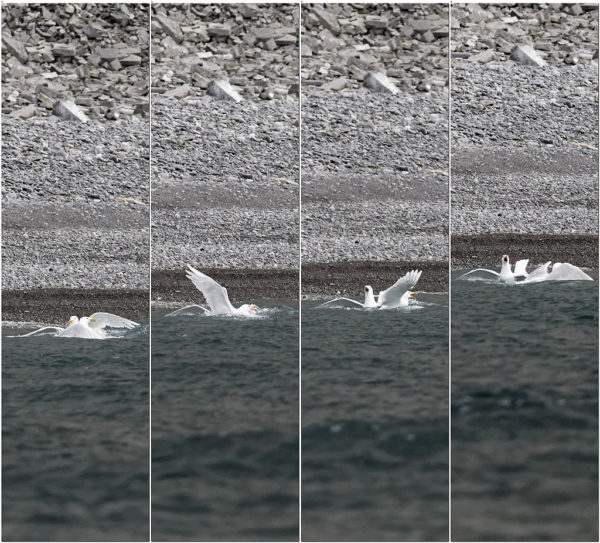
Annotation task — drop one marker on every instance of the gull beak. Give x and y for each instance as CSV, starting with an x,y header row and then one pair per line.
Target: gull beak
x,y
254,308
413,295
93,319
69,321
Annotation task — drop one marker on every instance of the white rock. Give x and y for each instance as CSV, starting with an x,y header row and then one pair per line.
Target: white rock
x,y
69,111
527,56
379,82
222,90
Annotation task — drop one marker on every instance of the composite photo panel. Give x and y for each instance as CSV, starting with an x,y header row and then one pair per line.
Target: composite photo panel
x,y
524,384
75,272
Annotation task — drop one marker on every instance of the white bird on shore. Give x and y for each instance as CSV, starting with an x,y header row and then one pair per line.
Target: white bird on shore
x,y
85,327
216,298
398,295
560,272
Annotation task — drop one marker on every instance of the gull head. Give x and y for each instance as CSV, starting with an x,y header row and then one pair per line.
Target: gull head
x,y
368,289
73,320
505,259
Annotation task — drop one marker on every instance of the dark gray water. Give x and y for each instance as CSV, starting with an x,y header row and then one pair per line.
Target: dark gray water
x,y
375,424
524,411
75,439
225,428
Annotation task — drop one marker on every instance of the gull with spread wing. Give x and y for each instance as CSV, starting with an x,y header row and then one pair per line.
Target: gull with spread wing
x,y
398,295
216,298
560,272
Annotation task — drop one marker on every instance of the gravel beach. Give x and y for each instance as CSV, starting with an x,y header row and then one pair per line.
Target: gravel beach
x,y
374,181
75,215
75,200
374,164
524,135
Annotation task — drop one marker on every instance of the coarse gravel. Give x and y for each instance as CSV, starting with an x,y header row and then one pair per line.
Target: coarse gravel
x,y
375,177
524,150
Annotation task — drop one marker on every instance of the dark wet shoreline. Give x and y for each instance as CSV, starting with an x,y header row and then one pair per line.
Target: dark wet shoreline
x,y
55,305
349,278
243,285
487,250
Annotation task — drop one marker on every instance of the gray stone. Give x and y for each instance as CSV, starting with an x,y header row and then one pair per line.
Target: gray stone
x,y
68,111
110,53
376,21
527,56
222,90
25,112
264,33
571,59
219,29
15,48
112,114
288,39
327,19
484,57
267,94
179,92
131,60
170,27
379,82
93,31
64,50
336,85
16,69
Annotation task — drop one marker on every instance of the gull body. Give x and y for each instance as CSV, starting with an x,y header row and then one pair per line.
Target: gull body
x,y
92,327
81,328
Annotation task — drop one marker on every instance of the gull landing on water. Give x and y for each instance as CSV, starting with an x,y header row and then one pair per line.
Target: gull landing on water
x,y
398,295
85,327
560,272
216,298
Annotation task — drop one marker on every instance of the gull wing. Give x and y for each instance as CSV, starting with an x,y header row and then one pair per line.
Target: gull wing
x,y
567,272
187,308
215,294
478,270
539,274
108,319
344,303
392,296
521,268
45,331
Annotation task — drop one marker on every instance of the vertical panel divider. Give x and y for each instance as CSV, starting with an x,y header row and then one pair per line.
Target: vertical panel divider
x,y
299,270
150,270
449,271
